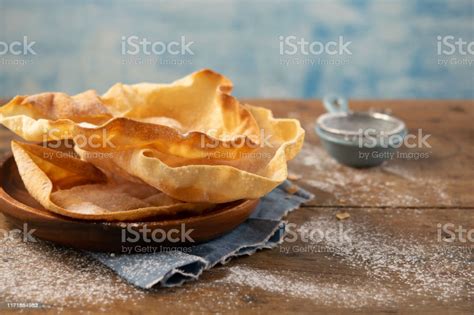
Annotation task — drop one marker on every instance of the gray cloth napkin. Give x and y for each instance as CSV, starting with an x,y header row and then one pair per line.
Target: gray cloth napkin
x,y
263,229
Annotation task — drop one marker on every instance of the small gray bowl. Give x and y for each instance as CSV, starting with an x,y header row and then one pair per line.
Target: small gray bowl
x,y
358,139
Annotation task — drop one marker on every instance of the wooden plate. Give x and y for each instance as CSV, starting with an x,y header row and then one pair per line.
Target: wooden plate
x,y
20,208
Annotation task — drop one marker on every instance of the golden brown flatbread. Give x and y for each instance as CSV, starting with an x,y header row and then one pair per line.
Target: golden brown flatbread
x,y
73,188
249,176
191,117
189,139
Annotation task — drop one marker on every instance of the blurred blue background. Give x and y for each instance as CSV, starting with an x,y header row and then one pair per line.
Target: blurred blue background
x,y
78,45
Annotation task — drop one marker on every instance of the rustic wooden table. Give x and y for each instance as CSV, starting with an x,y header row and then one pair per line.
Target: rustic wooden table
x,y
393,254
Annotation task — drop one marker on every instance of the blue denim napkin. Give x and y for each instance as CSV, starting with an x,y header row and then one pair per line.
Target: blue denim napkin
x,y
263,229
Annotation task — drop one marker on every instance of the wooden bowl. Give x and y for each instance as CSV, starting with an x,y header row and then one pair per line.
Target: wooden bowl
x,y
20,208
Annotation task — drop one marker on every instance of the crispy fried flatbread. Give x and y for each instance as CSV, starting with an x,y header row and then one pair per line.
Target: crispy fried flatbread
x,y
248,176
189,139
193,117
70,187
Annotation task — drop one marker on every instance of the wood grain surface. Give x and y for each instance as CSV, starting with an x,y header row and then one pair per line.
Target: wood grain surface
x,y
396,258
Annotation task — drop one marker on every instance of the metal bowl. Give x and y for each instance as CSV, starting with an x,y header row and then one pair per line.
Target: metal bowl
x,y
358,139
